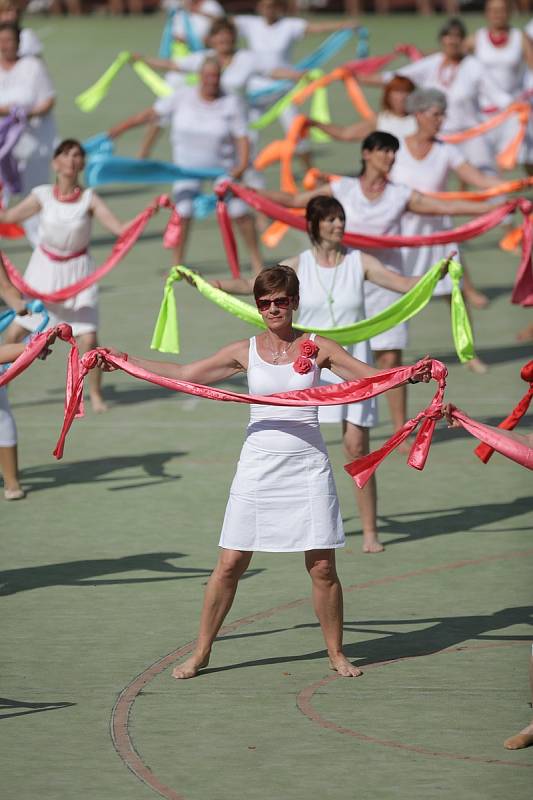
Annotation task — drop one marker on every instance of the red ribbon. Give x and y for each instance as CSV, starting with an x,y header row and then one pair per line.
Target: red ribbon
x,y
333,394
226,232
523,289
121,247
484,451
367,66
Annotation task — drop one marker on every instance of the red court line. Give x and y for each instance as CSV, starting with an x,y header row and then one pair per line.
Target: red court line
x,y
306,707
120,715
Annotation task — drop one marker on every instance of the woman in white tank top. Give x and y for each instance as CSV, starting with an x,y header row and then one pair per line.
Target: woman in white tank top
x,y
373,204
283,496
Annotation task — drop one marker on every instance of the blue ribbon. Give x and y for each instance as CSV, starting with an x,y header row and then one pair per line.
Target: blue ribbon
x,y
98,145
317,58
194,42
363,46
35,306
167,37
116,169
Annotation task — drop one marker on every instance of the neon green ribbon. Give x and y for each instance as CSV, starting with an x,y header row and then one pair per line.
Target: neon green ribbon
x,y
166,338
275,111
93,96
150,78
320,113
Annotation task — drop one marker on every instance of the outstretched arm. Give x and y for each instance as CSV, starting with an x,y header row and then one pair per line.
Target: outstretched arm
x,y
299,200
378,273
331,26
226,362
334,357
470,174
105,216
22,211
11,296
421,204
142,118
346,133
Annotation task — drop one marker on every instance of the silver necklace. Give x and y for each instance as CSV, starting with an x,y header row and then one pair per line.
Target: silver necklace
x,y
329,292
279,354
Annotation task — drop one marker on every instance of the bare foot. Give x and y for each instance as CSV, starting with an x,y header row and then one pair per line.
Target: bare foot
x,y
341,665
98,405
476,299
520,740
476,365
371,543
190,668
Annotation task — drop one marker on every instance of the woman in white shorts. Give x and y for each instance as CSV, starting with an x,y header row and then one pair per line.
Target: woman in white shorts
x,y
208,130
283,496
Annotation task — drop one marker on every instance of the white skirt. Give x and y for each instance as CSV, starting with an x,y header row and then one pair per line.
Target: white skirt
x,y
363,414
8,430
282,502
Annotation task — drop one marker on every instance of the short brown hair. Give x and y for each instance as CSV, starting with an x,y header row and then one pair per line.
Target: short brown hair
x,y
67,145
277,279
221,24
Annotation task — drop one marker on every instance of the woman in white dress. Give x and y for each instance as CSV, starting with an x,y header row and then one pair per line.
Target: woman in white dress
x,y
283,496
392,118
208,130
25,83
374,205
65,213
271,35
425,163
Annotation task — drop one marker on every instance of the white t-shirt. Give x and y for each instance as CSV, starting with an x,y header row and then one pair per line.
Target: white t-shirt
x,y
463,84
272,44
200,23
202,133
30,44
429,174
26,83
398,126
235,77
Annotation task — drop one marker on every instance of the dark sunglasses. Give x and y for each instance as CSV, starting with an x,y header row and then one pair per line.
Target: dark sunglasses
x,y
279,302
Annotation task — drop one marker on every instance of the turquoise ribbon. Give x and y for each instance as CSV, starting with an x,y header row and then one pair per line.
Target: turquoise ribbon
x,y
116,169
35,306
167,37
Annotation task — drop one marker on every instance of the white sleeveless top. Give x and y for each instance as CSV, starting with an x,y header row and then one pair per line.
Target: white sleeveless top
x,y
281,429
64,228
398,126
505,65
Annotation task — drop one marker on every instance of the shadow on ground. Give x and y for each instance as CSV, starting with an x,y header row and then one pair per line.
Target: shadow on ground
x,y
439,634
86,573
30,708
442,521
99,470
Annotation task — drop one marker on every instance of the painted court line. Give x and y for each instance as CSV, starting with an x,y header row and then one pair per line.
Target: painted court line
x,y
121,713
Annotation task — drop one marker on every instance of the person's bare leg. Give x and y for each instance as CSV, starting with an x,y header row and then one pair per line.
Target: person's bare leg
x,y
248,231
425,7
525,737
9,468
15,333
88,341
218,600
149,139
180,250
396,398
327,602
356,444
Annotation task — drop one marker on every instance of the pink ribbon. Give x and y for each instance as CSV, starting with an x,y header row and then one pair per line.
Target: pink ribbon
x,y
334,394
523,289
510,448
121,247
228,238
371,64
60,258
484,451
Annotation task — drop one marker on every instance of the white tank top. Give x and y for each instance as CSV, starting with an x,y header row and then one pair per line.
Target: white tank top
x,y
504,65
398,126
281,429
65,228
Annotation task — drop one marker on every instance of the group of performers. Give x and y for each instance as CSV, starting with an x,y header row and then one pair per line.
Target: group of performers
x,y
283,497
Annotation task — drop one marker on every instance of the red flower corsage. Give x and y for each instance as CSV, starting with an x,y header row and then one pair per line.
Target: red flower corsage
x,y
308,349
302,365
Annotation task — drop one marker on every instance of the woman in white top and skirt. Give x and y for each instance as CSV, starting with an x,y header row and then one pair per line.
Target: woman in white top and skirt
x,y
283,496
208,130
62,257
374,205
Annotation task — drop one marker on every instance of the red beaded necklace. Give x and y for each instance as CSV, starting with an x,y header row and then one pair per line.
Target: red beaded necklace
x,y
72,197
499,38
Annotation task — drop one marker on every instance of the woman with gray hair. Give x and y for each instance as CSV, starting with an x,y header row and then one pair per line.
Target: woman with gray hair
x,y
424,163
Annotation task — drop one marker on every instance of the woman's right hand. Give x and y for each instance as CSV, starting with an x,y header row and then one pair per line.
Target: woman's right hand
x,y
103,364
136,57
